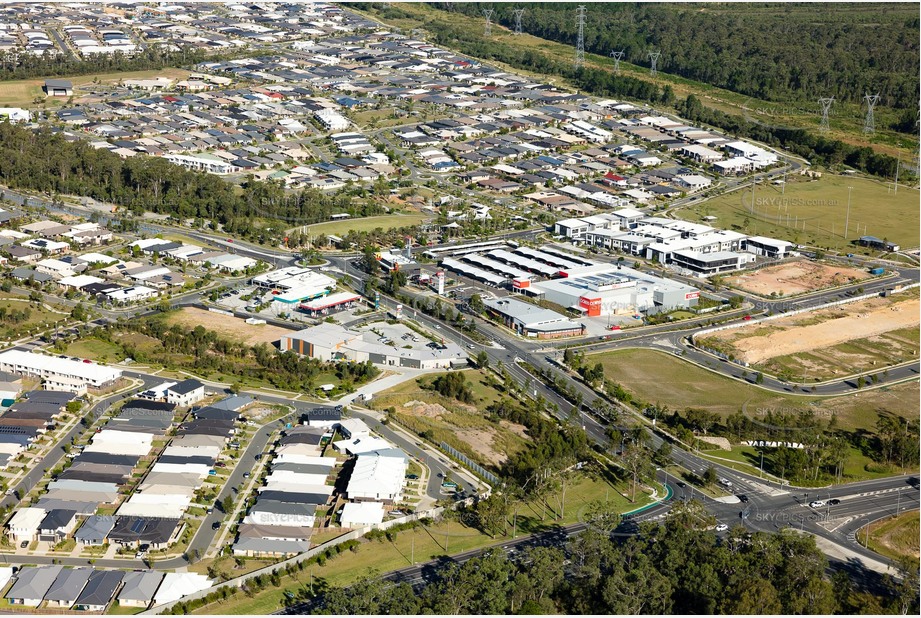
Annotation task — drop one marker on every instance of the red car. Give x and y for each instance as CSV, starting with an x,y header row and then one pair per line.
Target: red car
x,y
614,327
748,317
230,240
86,360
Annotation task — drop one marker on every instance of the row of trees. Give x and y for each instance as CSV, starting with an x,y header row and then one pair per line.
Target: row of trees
x,y
676,567
47,162
822,447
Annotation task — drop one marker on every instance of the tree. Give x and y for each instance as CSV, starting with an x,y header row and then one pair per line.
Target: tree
x,y
663,454
369,262
227,504
492,514
476,303
482,359
710,476
637,462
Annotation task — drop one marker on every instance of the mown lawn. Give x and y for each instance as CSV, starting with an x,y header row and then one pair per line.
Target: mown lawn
x,y
366,224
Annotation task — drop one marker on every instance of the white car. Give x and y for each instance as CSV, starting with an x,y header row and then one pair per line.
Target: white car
x,y
722,528
817,504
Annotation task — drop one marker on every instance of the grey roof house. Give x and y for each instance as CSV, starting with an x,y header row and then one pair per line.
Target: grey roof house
x,y
31,585
99,591
95,530
67,587
139,589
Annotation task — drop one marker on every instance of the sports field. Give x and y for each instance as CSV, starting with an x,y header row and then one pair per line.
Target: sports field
x,y
366,224
813,212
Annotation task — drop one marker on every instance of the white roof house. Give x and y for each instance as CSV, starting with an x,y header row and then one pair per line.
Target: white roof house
x,y
177,585
361,444
24,524
377,478
17,361
360,514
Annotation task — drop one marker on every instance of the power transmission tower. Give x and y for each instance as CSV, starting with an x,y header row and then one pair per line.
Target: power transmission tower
x,y
518,13
580,40
487,13
826,104
869,125
653,61
617,55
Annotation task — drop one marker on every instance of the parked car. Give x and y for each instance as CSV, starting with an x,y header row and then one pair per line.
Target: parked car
x,y
216,525
722,528
246,475
412,477
23,545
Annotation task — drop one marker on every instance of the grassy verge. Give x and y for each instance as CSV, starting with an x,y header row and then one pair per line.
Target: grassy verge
x,y
895,537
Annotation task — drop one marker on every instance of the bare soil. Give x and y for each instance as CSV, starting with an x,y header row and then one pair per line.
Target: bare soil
x,y
228,326
796,278
823,329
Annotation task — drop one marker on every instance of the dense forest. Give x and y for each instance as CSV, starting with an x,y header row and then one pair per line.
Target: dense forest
x,y
772,52
676,567
47,162
602,82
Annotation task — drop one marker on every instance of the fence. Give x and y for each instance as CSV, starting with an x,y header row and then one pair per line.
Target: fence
x,y
472,465
279,567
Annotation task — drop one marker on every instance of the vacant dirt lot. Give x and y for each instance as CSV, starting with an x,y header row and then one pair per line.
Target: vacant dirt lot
x,y
796,278
822,329
227,326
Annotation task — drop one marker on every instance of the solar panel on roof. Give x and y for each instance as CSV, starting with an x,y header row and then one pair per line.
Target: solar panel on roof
x,y
137,526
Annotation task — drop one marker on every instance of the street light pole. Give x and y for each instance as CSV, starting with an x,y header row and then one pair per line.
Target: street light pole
x,y
761,467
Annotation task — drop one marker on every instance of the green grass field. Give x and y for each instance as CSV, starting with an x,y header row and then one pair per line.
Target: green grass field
x,y
822,204
689,386
366,224
95,349
22,93
38,317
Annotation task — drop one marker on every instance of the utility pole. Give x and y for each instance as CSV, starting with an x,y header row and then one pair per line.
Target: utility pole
x,y
869,124
847,214
580,37
518,13
487,30
826,104
653,62
617,55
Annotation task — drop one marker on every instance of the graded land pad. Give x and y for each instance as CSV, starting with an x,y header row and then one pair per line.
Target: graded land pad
x,y
796,278
821,329
227,326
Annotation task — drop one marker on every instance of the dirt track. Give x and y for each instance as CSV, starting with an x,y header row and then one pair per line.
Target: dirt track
x,y
858,321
